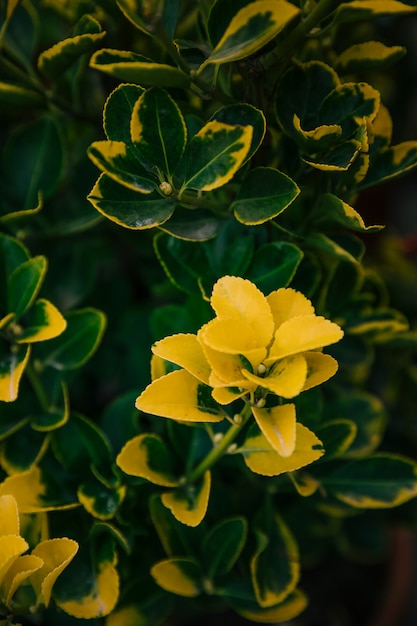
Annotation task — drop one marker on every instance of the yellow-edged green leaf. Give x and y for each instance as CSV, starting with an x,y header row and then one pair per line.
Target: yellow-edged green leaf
x,y
223,544
188,504
100,501
378,481
179,396
147,456
215,154
245,115
158,131
274,579
22,450
180,576
56,555
333,209
263,459
185,350
287,610
136,68
20,570
264,194
9,516
11,547
366,9
118,161
118,110
24,283
250,29
100,600
318,138
12,364
337,159
344,248
348,104
12,95
128,208
391,163
56,60
337,436
369,55
43,321
278,424
143,15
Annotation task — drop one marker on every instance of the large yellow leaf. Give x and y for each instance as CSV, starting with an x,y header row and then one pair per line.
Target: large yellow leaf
x,y
184,350
56,555
278,425
226,368
262,459
234,336
179,396
20,570
11,547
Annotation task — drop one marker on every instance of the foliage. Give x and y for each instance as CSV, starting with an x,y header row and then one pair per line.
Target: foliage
x,y
181,186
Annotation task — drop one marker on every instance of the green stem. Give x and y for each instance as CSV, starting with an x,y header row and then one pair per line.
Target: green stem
x,y
37,387
221,448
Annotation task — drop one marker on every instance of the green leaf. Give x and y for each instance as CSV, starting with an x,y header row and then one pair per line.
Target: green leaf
x,y
264,194
191,226
274,265
368,55
85,328
58,411
366,9
348,104
337,437
136,68
43,321
334,210
147,456
274,578
220,16
251,29
223,545
337,159
13,361
215,154
118,110
22,450
245,115
120,163
37,147
390,163
128,208
231,252
342,248
188,503
56,60
13,253
377,482
180,576
24,284
99,500
184,262
158,131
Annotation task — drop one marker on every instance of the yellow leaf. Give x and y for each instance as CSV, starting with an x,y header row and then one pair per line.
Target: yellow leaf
x,y
28,490
286,378
307,332
288,303
226,395
233,336
23,567
9,516
278,424
189,503
226,368
262,459
11,375
11,547
239,299
56,555
102,598
320,367
127,616
178,576
47,323
135,459
179,396
184,350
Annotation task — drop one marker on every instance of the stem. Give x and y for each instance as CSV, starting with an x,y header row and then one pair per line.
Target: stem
x,y
218,451
37,387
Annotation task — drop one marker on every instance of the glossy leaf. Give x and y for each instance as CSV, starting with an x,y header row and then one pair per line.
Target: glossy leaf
x,y
369,55
376,482
136,68
147,456
274,578
120,163
56,60
24,284
245,115
192,226
179,396
128,208
274,265
43,321
264,194
12,365
179,575
348,104
250,29
263,459
118,110
223,545
188,503
215,154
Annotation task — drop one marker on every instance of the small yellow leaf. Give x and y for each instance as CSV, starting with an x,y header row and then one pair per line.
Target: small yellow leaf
x,y
288,303
11,547
180,576
286,378
226,368
186,351
47,323
179,396
234,336
320,367
188,504
12,373
9,516
102,598
137,459
56,555
27,489
278,424
23,567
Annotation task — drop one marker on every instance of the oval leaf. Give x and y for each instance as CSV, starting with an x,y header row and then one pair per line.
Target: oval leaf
x,y
180,576
118,110
188,504
148,457
24,283
118,161
223,545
